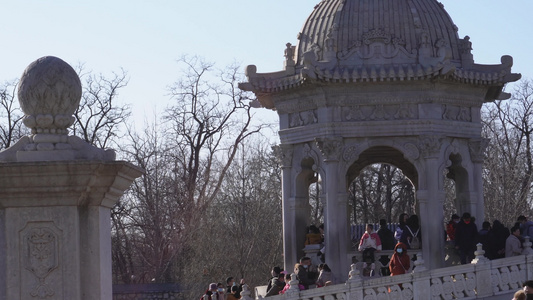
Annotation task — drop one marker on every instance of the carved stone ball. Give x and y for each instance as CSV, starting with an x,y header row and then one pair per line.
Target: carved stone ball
x,y
49,94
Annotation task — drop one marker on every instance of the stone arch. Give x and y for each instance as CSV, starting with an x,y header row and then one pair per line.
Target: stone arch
x,y
382,154
459,168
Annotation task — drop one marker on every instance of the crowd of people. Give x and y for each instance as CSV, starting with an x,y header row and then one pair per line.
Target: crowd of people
x,y
461,233
498,241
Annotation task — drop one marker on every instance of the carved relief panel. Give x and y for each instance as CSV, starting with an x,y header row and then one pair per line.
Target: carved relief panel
x,y
303,118
404,111
40,243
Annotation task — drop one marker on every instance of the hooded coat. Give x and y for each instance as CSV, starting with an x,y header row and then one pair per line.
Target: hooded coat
x,y
399,262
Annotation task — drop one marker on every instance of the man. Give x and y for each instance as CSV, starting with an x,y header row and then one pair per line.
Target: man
x,y
465,238
526,227
305,276
513,245
386,236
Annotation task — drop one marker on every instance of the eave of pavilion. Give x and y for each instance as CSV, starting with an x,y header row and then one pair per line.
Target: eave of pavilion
x,y
492,77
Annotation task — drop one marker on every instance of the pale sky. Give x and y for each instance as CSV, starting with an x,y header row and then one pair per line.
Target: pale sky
x,y
147,37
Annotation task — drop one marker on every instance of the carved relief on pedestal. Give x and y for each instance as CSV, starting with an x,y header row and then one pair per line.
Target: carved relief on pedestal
x,y
404,111
477,149
456,113
40,256
430,145
302,118
331,148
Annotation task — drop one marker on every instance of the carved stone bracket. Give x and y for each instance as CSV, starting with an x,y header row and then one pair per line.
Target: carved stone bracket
x,y
430,145
284,154
477,149
331,148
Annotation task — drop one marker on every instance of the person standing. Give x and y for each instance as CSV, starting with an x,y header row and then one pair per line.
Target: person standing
x,y
402,220
305,276
485,237
400,261
513,245
465,238
526,227
386,236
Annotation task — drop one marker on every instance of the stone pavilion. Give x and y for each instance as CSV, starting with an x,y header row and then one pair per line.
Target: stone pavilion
x,y
379,81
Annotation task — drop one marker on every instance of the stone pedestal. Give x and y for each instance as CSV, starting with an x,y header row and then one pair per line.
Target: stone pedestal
x,y
55,236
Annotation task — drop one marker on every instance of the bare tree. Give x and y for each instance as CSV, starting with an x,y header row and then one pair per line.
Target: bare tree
x,y
11,116
508,166
99,117
381,191
243,237
186,160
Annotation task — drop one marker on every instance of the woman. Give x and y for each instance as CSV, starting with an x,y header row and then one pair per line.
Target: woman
x,y
326,277
400,261
399,230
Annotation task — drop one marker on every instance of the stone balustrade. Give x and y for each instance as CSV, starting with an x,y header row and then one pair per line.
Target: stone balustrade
x,y
482,279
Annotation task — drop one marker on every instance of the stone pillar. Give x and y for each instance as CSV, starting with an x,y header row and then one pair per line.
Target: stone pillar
x,y
56,194
335,221
431,201
477,155
288,208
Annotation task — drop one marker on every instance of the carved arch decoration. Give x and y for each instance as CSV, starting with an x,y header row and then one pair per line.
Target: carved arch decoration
x,y
401,153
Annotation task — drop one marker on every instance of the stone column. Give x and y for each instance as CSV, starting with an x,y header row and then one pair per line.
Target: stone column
x,y
477,155
335,221
431,201
56,193
288,208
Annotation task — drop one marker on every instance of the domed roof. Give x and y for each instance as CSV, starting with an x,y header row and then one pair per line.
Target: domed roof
x,y
379,31
354,41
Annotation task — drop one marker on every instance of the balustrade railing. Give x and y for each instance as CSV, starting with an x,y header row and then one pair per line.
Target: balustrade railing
x,y
481,279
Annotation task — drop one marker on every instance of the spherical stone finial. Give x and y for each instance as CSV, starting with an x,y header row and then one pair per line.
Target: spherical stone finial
x,y
49,94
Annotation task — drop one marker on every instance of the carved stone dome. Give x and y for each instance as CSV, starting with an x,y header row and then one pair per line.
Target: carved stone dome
x,y
376,41
385,32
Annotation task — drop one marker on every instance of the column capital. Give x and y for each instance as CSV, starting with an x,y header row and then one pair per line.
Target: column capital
x,y
430,145
477,149
284,153
331,148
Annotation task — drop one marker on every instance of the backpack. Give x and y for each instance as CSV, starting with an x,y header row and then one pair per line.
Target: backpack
x,y
415,242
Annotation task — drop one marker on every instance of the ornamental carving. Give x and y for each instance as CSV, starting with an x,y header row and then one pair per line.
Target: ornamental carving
x,y
454,286
430,145
376,45
330,147
477,149
284,154
380,112
350,153
41,258
456,113
302,118
411,151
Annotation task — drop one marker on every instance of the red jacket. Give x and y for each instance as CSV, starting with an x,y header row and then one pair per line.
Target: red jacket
x,y
399,263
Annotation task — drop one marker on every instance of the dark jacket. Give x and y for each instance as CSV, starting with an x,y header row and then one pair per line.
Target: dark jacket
x,y
387,238
275,287
304,277
466,236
